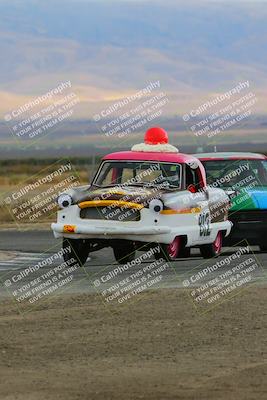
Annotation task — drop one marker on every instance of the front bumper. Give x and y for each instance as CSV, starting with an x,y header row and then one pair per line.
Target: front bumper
x,y
109,230
70,224
152,227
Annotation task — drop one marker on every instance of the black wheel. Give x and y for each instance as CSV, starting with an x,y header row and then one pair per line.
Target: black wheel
x,y
78,250
170,252
124,251
185,252
263,247
213,249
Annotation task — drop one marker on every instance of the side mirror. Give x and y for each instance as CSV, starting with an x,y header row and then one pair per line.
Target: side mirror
x,y
192,188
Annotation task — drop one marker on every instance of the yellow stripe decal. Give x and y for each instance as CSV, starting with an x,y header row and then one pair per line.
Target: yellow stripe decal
x,y
194,210
106,203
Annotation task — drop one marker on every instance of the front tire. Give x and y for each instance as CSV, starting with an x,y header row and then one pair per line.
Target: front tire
x,y
124,252
79,250
212,249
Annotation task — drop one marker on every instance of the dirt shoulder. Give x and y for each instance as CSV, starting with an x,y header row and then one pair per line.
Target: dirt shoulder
x,y
45,226
7,255
158,348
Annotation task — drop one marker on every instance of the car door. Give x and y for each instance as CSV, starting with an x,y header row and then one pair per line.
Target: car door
x,y
199,202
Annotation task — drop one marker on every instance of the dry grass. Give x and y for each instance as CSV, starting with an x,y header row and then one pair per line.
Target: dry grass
x,y
14,176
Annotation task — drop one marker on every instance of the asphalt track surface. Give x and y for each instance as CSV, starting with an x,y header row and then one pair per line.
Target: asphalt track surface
x,y
22,249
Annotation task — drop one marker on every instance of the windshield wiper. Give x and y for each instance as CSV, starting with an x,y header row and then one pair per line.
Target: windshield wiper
x,y
146,185
105,186
136,184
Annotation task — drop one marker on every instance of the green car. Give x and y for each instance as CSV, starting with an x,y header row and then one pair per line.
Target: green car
x,y
244,178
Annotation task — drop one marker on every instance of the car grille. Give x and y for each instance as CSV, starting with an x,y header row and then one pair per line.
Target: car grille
x,y
110,214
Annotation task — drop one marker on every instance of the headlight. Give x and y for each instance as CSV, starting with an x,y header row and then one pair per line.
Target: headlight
x,y
156,206
64,200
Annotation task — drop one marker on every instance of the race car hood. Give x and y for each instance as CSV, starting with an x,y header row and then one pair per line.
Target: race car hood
x,y
135,194
250,199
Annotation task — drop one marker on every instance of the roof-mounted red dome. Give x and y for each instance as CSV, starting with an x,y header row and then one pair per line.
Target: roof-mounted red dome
x,y
156,141
156,135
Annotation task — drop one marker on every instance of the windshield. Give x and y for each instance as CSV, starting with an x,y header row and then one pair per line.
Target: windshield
x,y
140,173
236,173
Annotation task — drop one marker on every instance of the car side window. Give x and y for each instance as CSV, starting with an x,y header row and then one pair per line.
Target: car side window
x,y
264,172
192,177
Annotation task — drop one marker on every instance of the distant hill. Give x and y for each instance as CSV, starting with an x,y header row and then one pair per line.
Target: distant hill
x,y
109,49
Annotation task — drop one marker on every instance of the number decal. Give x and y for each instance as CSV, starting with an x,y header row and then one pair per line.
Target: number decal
x,y
204,224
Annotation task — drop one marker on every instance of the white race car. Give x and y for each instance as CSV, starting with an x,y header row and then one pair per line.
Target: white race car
x,y
144,197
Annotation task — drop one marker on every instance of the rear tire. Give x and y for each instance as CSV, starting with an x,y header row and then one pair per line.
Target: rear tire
x,y
212,249
170,252
263,248
185,252
124,252
79,250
